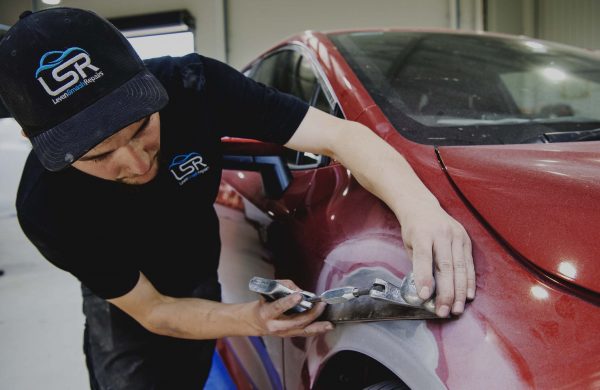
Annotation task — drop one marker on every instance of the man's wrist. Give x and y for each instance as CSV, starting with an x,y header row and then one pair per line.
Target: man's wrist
x,y
404,209
249,319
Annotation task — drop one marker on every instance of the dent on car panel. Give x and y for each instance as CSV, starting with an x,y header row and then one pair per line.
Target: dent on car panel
x,y
415,350
520,332
365,308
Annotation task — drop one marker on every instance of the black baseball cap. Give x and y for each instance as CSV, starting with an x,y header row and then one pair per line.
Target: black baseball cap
x,y
71,80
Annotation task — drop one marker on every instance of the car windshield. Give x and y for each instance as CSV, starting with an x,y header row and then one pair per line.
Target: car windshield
x,y
462,89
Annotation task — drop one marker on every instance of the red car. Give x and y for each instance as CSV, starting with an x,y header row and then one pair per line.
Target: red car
x,y
505,132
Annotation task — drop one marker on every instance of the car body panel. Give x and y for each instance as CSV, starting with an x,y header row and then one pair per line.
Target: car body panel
x,y
523,330
554,195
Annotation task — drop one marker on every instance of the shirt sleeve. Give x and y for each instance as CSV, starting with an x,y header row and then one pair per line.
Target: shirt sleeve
x,y
98,268
245,108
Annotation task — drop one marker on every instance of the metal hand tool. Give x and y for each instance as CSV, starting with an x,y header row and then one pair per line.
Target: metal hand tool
x,y
404,295
272,290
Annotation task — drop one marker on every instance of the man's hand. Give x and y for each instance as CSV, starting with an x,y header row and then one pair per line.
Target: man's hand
x,y
200,319
268,318
437,243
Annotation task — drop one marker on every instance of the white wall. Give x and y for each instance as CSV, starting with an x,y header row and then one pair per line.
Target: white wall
x,y
11,9
256,25
507,16
576,22
210,33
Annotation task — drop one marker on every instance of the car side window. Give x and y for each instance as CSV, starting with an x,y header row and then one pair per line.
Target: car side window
x,y
321,102
290,72
287,71
304,79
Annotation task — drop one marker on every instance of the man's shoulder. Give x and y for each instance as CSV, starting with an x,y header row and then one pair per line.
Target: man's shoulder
x,y
190,72
35,210
49,198
31,178
177,73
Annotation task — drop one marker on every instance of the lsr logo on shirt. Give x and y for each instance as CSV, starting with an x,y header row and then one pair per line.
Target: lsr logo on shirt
x,y
68,72
187,166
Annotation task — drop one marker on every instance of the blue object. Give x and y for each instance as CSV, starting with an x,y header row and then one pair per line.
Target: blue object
x,y
259,346
219,378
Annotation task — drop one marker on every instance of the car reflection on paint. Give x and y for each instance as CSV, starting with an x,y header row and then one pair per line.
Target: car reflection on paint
x,y
503,131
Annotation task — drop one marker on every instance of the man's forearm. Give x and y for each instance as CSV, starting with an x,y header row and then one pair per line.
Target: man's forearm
x,y
195,318
436,242
381,169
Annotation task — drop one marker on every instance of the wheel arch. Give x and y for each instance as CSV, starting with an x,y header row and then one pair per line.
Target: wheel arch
x,y
353,370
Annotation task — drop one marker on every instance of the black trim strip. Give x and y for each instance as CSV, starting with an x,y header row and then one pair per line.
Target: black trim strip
x,y
560,284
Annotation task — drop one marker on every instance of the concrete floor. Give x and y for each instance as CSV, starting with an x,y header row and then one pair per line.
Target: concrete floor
x,y
40,306
41,323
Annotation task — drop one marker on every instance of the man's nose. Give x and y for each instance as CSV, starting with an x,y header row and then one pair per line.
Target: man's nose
x,y
136,159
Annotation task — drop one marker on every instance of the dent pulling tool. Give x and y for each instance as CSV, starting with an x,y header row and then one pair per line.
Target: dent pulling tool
x,y
380,290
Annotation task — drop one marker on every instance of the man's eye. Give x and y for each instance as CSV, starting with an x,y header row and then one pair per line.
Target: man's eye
x,y
140,132
100,158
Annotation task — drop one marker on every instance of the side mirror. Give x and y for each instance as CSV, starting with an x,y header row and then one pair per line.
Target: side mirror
x,y
250,155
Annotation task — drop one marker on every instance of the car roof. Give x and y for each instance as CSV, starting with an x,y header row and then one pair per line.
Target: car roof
x,y
422,30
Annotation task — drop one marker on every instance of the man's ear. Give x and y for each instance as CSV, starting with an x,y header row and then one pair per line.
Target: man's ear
x,y
23,134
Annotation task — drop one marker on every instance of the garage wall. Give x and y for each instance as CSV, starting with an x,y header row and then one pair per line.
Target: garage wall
x,y
255,25
11,9
511,16
210,33
576,22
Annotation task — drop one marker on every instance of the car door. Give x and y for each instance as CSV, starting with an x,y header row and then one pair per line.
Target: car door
x,y
290,71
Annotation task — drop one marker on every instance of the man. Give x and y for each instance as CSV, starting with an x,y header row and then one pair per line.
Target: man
x,y
101,196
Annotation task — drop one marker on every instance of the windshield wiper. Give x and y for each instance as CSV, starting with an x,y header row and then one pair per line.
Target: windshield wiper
x,y
572,136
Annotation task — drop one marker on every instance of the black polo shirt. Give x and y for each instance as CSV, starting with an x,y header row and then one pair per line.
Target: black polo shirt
x,y
105,232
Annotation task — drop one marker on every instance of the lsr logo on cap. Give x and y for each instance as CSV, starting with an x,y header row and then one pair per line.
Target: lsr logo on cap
x,y
68,72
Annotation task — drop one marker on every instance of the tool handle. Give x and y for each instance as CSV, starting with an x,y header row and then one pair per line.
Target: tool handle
x,y
272,290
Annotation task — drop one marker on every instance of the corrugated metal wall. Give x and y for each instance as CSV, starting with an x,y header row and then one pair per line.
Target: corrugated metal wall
x,y
504,16
255,25
576,22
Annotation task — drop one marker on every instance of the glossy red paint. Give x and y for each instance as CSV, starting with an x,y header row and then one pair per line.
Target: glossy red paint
x,y
522,330
544,200
244,147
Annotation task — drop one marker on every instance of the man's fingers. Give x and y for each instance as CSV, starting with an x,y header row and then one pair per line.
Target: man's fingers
x,y
280,306
409,251
460,275
300,320
317,328
422,269
299,324
471,283
444,270
289,284
311,330
295,322
318,309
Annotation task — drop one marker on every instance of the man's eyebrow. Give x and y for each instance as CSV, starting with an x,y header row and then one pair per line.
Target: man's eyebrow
x,y
99,155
